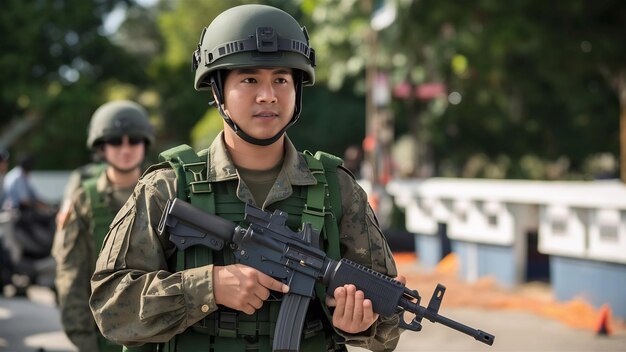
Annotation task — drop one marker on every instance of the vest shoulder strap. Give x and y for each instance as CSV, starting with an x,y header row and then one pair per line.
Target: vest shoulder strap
x,y
331,163
192,184
102,215
324,168
190,168
323,206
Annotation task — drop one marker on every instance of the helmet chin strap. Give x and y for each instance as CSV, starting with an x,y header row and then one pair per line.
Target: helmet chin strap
x,y
216,86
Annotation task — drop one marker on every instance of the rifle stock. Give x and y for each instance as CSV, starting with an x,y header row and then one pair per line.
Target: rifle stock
x,y
269,246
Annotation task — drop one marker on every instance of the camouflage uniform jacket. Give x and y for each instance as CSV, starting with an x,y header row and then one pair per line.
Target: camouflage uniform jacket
x,y
137,299
74,253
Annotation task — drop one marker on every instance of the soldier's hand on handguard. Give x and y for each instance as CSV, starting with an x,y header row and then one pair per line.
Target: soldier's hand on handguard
x,y
353,312
243,288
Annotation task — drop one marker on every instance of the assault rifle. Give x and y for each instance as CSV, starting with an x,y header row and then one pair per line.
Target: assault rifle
x,y
294,258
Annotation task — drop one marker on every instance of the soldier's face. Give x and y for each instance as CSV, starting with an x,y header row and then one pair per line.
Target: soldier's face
x,y
124,153
260,101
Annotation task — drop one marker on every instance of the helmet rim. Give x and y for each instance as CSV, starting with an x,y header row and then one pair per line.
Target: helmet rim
x,y
265,37
118,118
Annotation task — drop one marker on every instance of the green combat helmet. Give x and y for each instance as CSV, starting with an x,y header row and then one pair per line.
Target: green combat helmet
x,y
253,36
118,118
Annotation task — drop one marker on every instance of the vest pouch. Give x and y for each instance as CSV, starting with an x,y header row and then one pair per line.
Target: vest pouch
x,y
232,324
107,345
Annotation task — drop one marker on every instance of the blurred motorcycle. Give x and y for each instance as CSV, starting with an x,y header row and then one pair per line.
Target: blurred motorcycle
x,y
26,243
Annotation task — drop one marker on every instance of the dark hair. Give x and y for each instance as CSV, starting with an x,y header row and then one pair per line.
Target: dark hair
x,y
4,154
27,162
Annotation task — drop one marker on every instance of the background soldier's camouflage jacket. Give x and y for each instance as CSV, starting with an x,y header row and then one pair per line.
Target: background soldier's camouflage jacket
x,y
136,299
73,250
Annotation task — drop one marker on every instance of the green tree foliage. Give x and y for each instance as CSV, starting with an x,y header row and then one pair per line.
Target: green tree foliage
x,y
182,107
531,81
534,86
530,87
55,63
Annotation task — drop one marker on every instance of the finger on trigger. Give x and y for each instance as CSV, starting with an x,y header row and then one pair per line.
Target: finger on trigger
x,y
272,283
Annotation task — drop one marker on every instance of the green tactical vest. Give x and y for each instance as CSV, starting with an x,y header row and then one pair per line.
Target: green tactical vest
x,y
319,205
102,216
101,212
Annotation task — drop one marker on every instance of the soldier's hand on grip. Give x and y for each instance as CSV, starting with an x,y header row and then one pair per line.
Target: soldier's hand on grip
x,y
243,288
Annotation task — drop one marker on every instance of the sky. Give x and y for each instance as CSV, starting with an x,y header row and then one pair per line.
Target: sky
x,y
113,21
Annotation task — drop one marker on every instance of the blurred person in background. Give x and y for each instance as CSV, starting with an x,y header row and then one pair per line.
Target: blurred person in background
x,y
34,217
18,187
119,133
29,229
4,167
353,160
5,262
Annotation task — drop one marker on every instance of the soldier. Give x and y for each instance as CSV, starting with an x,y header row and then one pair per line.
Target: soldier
x,y
120,133
255,59
76,178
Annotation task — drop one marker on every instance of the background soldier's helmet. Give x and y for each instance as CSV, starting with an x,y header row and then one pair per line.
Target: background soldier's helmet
x,y
118,118
253,36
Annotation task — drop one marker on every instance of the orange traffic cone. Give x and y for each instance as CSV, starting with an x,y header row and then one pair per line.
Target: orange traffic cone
x,y
603,328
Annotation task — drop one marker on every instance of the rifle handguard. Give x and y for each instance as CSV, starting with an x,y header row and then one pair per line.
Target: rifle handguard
x,y
383,291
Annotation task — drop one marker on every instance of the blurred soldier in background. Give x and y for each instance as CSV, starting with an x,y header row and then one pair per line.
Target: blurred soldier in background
x,y
120,133
75,179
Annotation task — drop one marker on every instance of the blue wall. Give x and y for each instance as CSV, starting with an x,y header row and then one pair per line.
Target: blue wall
x,y
594,281
428,250
495,261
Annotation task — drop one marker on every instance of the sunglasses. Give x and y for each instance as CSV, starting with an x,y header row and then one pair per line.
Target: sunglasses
x,y
117,141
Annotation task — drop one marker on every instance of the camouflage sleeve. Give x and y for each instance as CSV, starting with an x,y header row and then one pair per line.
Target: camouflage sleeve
x,y
136,297
73,252
73,183
362,241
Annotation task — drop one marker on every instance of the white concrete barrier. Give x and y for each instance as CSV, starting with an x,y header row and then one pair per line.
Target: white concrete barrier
x,y
492,224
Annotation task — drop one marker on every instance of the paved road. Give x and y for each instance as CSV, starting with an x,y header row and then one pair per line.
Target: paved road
x,y
33,325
